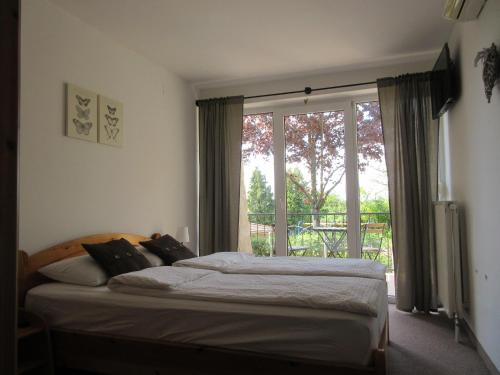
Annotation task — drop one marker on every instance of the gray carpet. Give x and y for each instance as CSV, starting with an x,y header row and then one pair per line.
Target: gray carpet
x,y
424,344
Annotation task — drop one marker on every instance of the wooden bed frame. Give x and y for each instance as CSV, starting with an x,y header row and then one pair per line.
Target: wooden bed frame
x,y
112,354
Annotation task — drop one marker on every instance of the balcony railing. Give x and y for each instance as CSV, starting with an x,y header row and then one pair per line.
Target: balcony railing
x,y
377,239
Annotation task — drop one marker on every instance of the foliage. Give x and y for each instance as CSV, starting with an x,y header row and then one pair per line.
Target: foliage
x,y
376,204
369,133
334,204
314,246
261,246
257,135
380,206
316,141
260,197
296,199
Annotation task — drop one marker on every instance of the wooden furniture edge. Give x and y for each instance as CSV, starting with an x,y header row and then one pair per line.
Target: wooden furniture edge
x,y
28,266
35,328
114,354
35,324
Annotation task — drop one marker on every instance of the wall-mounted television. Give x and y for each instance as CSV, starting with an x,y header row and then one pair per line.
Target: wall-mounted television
x,y
442,83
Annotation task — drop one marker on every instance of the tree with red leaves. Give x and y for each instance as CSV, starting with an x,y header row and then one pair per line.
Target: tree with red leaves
x,y
316,142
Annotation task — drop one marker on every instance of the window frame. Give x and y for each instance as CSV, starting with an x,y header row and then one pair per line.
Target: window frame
x,y
345,103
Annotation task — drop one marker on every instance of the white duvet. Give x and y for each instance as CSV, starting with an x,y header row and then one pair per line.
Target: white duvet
x,y
239,263
350,294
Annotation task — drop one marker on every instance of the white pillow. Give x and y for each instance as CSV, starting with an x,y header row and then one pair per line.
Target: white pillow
x,y
81,270
84,270
154,259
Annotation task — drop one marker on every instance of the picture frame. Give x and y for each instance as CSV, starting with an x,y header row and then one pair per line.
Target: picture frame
x,y
81,113
110,121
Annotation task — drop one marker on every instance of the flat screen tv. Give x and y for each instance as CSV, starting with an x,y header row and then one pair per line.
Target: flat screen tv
x,y
442,83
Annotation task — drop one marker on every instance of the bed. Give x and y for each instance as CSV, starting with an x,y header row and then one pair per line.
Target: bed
x,y
96,329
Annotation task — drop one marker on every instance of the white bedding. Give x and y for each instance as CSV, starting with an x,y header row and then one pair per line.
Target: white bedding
x,y
239,263
350,294
292,331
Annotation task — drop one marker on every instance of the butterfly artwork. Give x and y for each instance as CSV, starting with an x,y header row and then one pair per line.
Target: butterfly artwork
x,y
111,110
81,113
110,121
82,101
82,127
111,132
111,128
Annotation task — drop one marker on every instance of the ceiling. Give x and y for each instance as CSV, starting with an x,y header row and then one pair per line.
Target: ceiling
x,y
220,40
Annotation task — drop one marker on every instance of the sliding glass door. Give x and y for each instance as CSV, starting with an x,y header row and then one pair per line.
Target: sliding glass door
x,y
315,180
319,180
258,182
376,233
315,183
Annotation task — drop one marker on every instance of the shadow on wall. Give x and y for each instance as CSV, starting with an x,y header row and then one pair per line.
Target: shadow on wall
x,y
457,68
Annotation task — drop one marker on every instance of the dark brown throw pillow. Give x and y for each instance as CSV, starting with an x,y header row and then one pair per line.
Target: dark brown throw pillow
x,y
117,257
168,249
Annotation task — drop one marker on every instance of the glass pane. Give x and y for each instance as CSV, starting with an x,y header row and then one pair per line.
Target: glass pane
x,y
376,241
258,177
315,184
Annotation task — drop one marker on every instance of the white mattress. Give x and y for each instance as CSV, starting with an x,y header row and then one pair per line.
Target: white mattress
x,y
292,331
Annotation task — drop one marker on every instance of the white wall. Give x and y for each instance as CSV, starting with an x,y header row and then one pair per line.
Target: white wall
x,y
474,131
70,188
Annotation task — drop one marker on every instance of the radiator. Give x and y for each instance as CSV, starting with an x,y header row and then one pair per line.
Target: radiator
x,y
449,260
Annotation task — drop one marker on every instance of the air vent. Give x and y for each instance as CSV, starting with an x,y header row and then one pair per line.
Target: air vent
x,y
463,10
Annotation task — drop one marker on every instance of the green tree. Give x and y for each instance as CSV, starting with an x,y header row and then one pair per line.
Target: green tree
x,y
316,141
260,198
373,204
296,199
336,206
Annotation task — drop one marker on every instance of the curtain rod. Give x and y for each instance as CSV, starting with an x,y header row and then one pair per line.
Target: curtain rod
x,y
306,90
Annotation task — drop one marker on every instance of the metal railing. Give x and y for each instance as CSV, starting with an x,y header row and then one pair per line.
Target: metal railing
x,y
307,242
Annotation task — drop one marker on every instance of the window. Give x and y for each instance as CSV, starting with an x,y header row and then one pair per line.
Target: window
x,y
315,181
258,176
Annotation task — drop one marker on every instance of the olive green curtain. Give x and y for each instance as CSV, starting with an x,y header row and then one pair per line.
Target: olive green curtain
x,y
220,134
411,143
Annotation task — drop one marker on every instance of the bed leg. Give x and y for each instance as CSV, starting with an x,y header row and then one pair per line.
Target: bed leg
x,y
380,362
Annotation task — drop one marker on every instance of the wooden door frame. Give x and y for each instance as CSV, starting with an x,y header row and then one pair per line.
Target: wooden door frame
x,y
9,130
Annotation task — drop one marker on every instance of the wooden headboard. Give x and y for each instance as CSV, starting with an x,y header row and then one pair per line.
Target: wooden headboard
x,y
28,276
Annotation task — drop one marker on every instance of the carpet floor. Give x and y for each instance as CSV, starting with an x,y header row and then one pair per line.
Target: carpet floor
x,y
424,344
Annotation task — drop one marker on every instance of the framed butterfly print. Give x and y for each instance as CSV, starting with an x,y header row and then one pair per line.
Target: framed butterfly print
x,y
81,113
110,121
